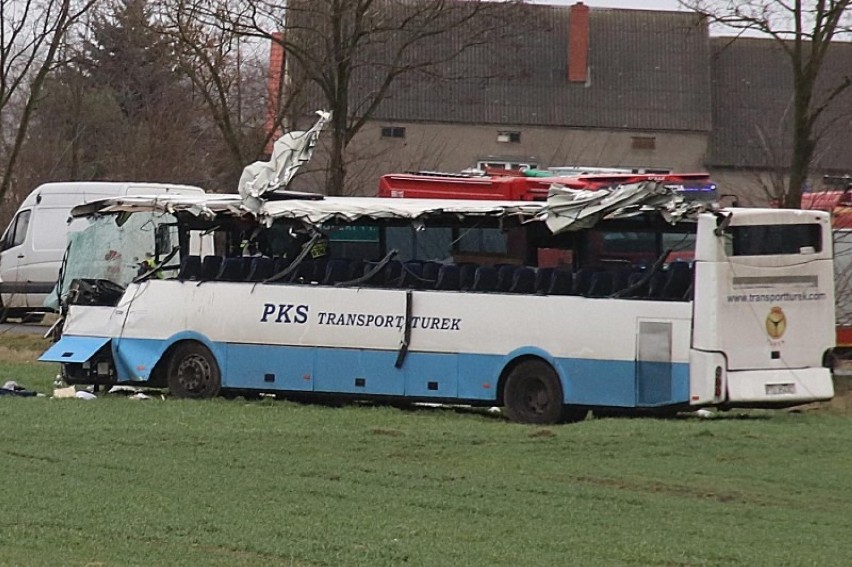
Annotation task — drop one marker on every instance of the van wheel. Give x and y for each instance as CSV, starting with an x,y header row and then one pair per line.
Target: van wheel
x,y
193,372
533,394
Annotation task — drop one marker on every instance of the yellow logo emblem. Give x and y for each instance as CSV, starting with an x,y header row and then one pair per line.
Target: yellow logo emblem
x,y
776,323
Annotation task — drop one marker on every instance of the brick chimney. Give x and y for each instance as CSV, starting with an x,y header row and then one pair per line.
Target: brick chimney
x,y
578,43
274,83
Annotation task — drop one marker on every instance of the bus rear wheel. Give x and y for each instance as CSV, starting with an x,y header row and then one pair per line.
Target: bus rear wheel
x,y
193,372
533,394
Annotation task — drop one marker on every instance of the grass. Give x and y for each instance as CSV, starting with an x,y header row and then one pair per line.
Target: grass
x,y
124,482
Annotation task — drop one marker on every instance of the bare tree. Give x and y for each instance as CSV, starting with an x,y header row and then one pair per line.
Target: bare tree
x,y
226,70
31,36
805,31
334,45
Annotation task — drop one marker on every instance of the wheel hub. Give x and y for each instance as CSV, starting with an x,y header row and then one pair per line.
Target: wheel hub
x,y
194,373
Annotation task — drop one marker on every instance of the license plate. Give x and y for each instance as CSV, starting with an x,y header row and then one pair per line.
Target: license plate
x,y
778,389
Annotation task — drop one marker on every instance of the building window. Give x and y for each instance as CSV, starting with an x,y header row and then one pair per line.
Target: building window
x,y
484,165
393,132
509,137
644,143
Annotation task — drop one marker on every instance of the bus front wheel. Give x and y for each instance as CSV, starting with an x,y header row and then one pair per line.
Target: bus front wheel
x,y
533,394
193,372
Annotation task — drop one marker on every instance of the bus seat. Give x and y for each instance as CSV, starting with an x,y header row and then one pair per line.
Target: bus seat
x,y
392,272
231,270
633,279
381,278
561,282
467,272
303,273
601,284
411,275
210,266
261,268
678,281
523,280
543,276
582,281
655,286
190,268
505,273
430,274
621,279
688,294
368,267
448,277
319,269
335,271
484,279
356,269
280,264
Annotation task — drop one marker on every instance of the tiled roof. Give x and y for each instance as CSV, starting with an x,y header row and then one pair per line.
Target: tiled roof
x,y
648,71
752,106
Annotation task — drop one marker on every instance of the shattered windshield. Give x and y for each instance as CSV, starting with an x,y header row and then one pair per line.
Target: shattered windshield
x,y
112,248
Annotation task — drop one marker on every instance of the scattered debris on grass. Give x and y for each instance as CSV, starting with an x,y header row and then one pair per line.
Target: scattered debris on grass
x,y
12,388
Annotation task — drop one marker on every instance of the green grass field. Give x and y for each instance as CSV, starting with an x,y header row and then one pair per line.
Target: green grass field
x,y
124,482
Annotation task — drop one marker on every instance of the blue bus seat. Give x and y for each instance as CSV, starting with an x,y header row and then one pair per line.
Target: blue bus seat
x,y
485,279
210,266
335,271
231,270
467,272
448,277
601,284
505,273
543,277
261,268
523,280
411,275
429,273
190,268
582,281
678,281
561,282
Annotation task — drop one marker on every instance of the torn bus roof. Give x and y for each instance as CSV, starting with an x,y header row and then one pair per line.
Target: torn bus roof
x,y
576,209
565,209
312,211
200,205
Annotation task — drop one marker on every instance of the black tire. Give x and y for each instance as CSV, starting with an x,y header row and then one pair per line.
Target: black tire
x,y
533,394
193,372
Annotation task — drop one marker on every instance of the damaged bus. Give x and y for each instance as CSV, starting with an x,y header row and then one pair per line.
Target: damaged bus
x,y
626,301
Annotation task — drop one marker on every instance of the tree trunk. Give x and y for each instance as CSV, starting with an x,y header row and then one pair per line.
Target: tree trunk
x,y
803,144
337,164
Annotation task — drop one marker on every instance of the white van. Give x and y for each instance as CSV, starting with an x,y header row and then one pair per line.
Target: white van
x,y
34,243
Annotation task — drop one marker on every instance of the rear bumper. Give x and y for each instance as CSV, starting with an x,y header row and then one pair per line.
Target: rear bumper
x,y
779,387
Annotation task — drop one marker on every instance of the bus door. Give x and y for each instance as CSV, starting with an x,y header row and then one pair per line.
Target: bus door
x,y
654,363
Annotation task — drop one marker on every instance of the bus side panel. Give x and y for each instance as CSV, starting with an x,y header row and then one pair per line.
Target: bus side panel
x,y
599,382
432,375
358,371
265,367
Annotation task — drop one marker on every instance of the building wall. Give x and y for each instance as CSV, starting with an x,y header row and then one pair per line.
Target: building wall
x,y
454,147
755,187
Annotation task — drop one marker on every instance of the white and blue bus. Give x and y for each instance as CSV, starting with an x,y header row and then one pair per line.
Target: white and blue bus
x,y
478,303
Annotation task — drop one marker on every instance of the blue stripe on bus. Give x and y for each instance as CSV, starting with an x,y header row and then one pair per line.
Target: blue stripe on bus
x,y
422,375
